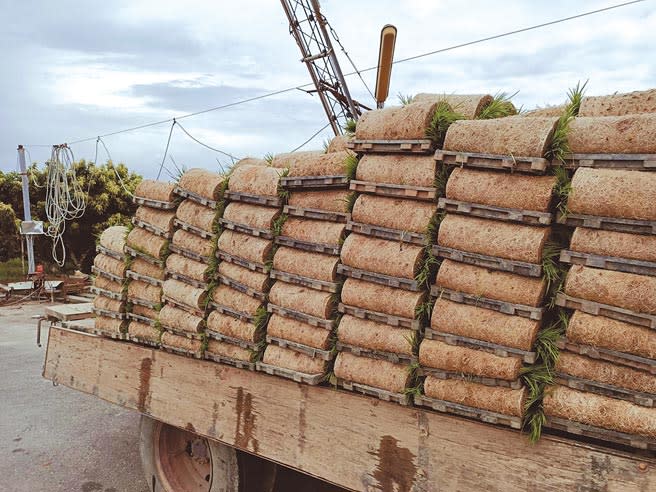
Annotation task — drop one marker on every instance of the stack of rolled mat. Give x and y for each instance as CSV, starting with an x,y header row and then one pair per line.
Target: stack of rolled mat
x,y
303,299
607,365
147,245
237,319
109,283
497,261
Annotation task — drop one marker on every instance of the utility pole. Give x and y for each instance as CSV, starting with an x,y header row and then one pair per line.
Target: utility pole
x,y
27,214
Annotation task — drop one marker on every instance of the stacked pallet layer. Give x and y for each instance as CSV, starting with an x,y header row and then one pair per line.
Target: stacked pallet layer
x,y
606,370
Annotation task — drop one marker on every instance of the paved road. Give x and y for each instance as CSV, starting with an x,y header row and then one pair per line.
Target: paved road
x,y
54,439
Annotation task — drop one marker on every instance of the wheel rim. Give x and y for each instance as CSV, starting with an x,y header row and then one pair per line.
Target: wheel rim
x,y
183,460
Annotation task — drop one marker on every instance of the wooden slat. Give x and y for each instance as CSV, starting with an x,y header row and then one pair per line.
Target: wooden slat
x,y
70,312
354,441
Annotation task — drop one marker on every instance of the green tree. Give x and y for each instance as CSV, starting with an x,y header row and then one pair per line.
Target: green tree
x,y
10,246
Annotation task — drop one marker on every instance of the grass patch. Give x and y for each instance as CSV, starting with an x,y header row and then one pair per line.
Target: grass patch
x,y
405,99
574,98
326,144
349,201
562,188
440,180
260,319
350,166
559,145
282,192
11,270
349,127
268,157
551,268
442,119
500,107
536,378
277,225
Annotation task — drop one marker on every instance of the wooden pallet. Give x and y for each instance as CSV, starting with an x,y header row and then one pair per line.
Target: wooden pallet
x,y
267,201
243,288
144,303
187,280
396,321
504,307
640,162
621,358
245,344
379,278
245,229
147,202
193,229
416,146
308,246
316,214
470,412
151,228
381,394
299,377
609,262
143,278
117,296
327,324
108,252
221,359
599,309
102,273
472,378
305,281
581,384
256,267
108,314
580,429
190,309
182,333
632,226
138,254
490,262
249,318
492,161
386,233
189,254
180,351
375,354
491,348
141,341
314,182
530,217
394,190
141,319
301,348
196,197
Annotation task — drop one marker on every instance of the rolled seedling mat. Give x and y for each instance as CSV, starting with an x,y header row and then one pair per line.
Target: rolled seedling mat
x,y
546,112
495,238
155,190
613,243
328,200
187,267
144,291
106,304
250,248
511,136
255,180
190,346
110,265
338,144
500,189
222,349
257,216
299,332
179,320
113,239
375,336
109,285
408,170
196,215
382,256
185,294
491,284
293,360
231,327
382,299
142,267
613,193
619,104
303,299
506,401
602,332
204,183
600,411
226,296
255,280
314,231
289,159
191,242
332,164
147,243
144,311
484,324
608,373
396,123
143,332
109,325
159,219
625,290
462,360
394,213
376,373
306,264
631,134
469,106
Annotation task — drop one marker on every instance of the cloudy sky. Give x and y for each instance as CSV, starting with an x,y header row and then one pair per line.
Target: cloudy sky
x,y
75,69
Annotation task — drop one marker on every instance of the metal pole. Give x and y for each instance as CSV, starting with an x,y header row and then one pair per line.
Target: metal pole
x,y
27,214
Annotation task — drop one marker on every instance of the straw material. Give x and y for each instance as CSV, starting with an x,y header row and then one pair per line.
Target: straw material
x,y
299,332
499,189
155,190
514,136
250,161
600,331
193,242
304,299
396,123
382,256
452,358
619,104
625,290
233,327
612,243
402,169
106,284
179,319
147,242
144,291
143,331
375,297
374,336
306,264
505,401
493,237
255,180
244,246
547,111
251,215
255,280
203,182
180,342
113,238
145,311
502,286
290,159
319,164
215,347
142,267
394,213
600,411
468,105
108,325
102,302
632,134
161,219
293,360
484,324
338,144
583,367
185,294
315,231
231,298
328,200
613,193
372,372
197,215
187,267
110,265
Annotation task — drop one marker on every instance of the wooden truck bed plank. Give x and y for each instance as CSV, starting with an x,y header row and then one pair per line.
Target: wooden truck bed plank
x,y
357,442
